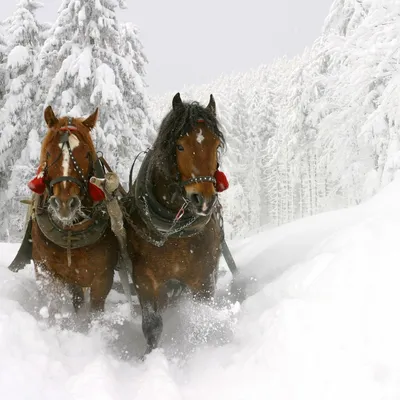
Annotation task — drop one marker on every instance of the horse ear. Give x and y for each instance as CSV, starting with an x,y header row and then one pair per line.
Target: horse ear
x,y
49,117
177,102
211,105
90,121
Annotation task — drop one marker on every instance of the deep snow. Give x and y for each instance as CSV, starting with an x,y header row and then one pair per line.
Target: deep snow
x,y
320,322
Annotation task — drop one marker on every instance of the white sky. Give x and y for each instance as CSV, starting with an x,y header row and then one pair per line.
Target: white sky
x,y
189,42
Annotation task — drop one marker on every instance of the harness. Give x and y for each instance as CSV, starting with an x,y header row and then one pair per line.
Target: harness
x,y
64,141
40,182
82,234
86,232
161,221
199,179
196,179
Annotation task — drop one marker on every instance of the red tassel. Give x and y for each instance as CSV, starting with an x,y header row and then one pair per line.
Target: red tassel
x,y
222,181
96,193
37,184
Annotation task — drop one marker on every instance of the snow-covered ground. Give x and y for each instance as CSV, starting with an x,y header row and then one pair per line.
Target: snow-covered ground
x,y
321,321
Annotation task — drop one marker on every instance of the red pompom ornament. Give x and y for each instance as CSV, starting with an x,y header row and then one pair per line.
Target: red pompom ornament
x,y
96,193
38,183
222,181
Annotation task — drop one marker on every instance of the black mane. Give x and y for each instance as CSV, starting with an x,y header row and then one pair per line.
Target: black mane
x,y
177,123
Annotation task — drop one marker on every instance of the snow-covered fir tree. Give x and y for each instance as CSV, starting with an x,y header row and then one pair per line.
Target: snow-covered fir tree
x,y
19,145
89,61
329,119
314,133
3,67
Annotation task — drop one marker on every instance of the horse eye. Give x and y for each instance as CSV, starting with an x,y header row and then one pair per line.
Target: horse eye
x,y
179,147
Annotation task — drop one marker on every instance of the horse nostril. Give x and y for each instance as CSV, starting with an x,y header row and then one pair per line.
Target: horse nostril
x,y
196,199
55,202
73,203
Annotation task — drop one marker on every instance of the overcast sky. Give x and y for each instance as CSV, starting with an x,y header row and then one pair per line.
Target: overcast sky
x,y
193,42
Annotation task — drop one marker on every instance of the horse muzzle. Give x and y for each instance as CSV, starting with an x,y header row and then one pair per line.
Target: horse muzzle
x,y
202,205
65,211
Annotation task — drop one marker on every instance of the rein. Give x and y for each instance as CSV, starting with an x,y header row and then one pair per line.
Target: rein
x,y
133,166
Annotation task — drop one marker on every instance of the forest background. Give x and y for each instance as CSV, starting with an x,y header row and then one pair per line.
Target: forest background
x,y
306,134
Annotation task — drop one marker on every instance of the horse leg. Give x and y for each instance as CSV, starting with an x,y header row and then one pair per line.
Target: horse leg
x,y
99,290
152,323
77,296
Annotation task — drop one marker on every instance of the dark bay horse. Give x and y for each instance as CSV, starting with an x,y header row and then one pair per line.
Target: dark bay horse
x,y
73,246
172,215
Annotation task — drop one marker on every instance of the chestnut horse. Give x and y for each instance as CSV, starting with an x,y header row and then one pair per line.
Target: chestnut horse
x,y
172,214
73,246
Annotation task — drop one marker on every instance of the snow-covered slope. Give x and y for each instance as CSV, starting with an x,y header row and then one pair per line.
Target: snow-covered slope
x,y
320,322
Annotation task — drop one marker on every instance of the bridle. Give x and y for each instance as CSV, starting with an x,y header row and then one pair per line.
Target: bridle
x,y
161,221
165,222
196,179
64,141
199,179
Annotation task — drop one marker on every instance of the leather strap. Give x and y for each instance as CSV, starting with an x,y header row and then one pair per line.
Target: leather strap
x,y
80,235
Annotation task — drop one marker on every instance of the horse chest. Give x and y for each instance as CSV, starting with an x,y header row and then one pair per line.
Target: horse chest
x,y
86,263
177,258
79,271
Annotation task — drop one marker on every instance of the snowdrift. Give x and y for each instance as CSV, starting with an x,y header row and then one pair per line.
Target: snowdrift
x,y
320,322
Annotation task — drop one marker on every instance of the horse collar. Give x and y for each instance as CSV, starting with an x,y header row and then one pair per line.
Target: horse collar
x,y
159,218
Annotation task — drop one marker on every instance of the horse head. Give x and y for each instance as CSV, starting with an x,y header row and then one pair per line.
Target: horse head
x,y
66,164
194,140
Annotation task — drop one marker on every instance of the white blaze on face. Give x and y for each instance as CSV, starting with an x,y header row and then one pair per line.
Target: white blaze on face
x,y
195,171
200,136
73,143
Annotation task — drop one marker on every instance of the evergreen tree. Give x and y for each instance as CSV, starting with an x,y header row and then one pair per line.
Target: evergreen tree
x,y
3,66
89,61
17,117
345,16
